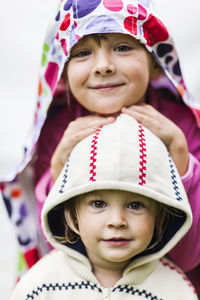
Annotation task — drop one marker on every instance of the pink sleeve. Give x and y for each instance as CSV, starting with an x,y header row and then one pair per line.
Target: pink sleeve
x,y
41,191
186,254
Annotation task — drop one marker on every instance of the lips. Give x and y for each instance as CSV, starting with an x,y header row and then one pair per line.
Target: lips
x,y
106,86
116,242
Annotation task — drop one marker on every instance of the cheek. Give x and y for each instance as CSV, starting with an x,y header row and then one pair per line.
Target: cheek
x,y
72,74
85,223
146,227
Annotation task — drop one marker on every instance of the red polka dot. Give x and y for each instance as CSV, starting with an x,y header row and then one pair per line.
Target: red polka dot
x,y
57,36
64,46
154,31
75,24
113,5
131,9
2,186
130,24
38,104
65,24
31,257
142,13
15,193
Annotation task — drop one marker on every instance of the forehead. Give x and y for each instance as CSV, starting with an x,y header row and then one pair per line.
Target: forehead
x,y
118,194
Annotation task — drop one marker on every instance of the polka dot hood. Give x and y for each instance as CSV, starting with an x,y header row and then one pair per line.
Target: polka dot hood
x,y
78,18
75,19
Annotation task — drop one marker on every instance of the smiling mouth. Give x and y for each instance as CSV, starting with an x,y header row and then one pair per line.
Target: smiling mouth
x,y
106,87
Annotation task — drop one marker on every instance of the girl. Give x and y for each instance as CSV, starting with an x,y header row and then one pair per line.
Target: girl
x,y
111,223
111,57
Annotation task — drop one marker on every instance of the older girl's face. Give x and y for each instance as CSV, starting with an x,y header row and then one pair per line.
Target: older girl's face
x,y
108,75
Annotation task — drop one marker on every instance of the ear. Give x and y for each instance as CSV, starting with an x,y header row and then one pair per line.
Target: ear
x,y
155,70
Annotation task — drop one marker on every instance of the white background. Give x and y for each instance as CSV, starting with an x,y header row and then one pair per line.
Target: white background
x,y
22,28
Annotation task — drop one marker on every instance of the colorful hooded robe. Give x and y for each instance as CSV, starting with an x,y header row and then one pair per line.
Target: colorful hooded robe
x,y
55,108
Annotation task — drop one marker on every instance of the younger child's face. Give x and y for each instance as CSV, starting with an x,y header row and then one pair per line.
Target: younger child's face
x,y
106,76
115,226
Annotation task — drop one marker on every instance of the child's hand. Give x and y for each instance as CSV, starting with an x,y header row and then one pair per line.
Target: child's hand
x,y
75,132
171,135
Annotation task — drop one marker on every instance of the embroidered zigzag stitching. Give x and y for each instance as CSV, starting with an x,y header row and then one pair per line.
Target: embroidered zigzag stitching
x,y
64,181
63,286
131,290
94,154
174,182
142,156
179,271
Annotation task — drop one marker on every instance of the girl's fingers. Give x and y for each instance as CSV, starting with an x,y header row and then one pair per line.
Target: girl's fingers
x,y
76,131
138,116
144,109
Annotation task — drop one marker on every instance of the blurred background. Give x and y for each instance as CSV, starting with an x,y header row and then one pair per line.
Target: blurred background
x,y
23,25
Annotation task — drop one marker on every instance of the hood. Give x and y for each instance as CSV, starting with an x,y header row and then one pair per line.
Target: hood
x,y
124,156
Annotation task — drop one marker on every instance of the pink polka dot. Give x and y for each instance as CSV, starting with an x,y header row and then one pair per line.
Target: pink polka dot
x,y
131,9
65,24
113,5
51,75
130,24
64,46
142,13
78,37
57,36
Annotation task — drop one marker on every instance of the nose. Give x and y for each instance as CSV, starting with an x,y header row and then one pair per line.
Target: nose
x,y
117,219
103,64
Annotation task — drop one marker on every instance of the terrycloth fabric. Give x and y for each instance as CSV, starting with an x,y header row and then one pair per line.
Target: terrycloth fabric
x,y
140,163
74,19
60,277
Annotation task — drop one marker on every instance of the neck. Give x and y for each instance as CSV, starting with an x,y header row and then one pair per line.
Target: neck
x,y
107,277
107,273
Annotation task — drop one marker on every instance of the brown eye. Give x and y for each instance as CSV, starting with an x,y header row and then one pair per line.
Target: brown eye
x,y
82,53
135,205
98,204
122,48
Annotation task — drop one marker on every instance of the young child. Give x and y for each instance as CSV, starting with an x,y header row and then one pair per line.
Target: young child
x,y
113,57
112,215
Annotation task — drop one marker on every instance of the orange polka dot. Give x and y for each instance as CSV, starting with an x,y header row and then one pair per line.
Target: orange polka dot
x,y
15,193
180,90
40,88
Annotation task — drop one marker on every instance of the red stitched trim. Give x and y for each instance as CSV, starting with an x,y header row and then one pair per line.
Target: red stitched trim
x,y
94,154
142,156
179,271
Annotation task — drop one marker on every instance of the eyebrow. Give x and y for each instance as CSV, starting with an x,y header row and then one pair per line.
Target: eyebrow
x,y
97,37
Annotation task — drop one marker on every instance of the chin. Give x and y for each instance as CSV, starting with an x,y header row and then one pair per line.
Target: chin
x,y
108,110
